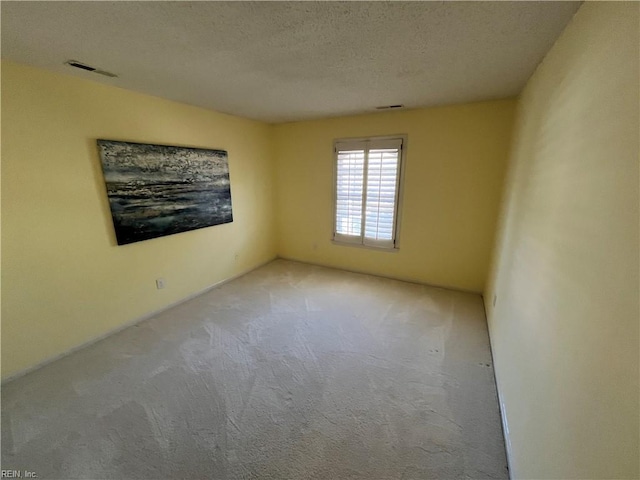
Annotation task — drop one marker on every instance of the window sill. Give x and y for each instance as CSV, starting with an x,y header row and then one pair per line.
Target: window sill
x,y
367,247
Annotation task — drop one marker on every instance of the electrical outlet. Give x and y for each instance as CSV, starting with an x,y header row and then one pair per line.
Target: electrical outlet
x,y
160,283
237,255
495,297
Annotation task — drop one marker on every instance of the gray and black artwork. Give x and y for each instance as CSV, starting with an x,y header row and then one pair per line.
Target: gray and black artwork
x,y
157,190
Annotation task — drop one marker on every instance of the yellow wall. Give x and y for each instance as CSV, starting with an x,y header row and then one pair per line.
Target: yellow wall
x,y
64,279
454,171
564,329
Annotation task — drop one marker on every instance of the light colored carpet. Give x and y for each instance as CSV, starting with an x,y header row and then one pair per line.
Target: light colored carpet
x,y
290,372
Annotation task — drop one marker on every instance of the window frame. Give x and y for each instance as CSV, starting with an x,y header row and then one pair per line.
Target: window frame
x,y
359,241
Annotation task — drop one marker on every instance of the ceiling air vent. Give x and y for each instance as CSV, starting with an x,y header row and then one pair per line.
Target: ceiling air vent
x,y
89,68
389,107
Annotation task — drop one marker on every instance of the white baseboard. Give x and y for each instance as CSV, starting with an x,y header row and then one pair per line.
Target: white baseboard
x,y
501,406
391,277
128,324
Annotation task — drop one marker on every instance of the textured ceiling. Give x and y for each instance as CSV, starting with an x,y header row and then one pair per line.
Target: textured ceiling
x,y
284,61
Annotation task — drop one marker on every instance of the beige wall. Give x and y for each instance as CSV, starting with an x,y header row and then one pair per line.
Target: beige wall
x,y
454,171
64,279
564,329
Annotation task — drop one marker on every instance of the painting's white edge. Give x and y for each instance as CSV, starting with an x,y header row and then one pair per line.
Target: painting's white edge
x,y
501,405
130,323
390,277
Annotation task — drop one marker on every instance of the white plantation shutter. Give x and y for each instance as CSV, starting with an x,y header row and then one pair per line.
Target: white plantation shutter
x,y
367,182
382,183
349,188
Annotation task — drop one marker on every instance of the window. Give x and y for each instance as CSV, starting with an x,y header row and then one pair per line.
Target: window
x,y
367,184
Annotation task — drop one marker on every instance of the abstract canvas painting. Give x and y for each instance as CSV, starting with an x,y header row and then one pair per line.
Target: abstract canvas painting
x,y
157,190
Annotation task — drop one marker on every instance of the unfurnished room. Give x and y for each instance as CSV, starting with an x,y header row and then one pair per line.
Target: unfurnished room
x,y
320,240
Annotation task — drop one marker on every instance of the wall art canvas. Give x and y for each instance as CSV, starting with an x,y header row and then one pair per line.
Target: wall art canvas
x,y
157,190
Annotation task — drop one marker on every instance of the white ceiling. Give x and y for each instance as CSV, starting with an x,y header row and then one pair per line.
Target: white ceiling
x,y
285,61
